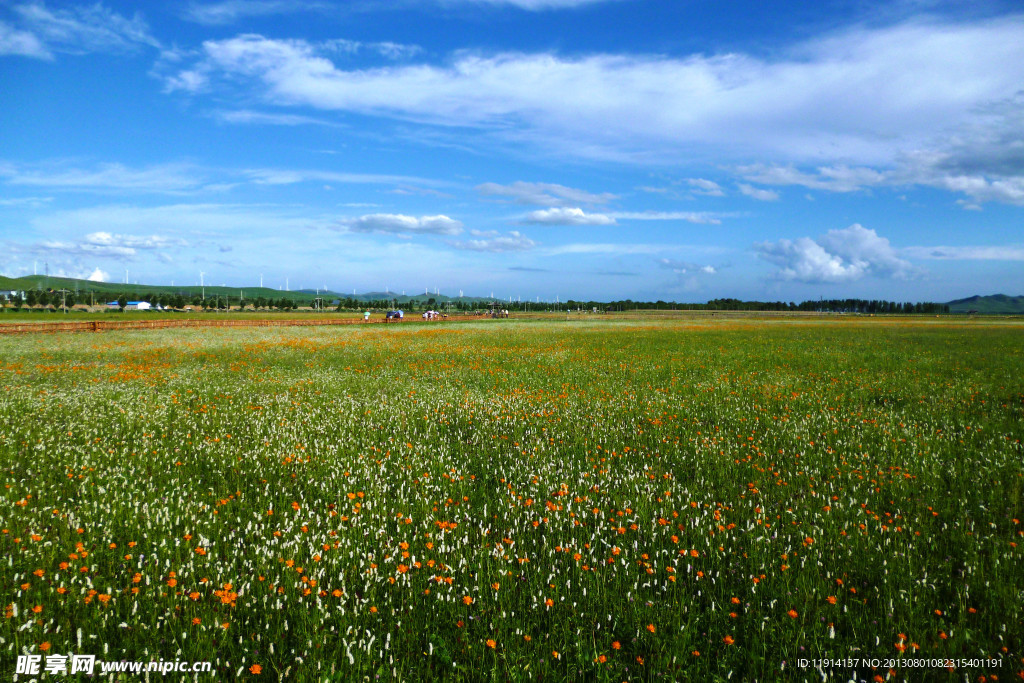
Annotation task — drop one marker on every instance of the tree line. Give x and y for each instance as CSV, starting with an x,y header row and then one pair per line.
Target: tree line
x,y
54,300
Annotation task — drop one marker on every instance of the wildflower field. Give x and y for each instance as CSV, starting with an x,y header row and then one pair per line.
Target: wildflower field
x,y
689,499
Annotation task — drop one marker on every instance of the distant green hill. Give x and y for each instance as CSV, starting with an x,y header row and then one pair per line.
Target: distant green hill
x,y
994,303
304,297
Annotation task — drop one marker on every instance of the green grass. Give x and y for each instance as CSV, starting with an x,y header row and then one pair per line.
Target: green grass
x,y
630,495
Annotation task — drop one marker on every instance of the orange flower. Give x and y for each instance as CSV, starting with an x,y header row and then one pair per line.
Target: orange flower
x,y
650,627
496,585
831,599
466,600
792,614
549,602
616,645
255,669
37,609
172,582
491,644
196,621
373,610
728,640
44,646
601,659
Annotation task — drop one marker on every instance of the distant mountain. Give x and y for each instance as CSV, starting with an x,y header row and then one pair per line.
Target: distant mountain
x,y
994,303
110,290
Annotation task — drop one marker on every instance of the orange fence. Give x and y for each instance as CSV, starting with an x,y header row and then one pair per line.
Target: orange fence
x,y
104,325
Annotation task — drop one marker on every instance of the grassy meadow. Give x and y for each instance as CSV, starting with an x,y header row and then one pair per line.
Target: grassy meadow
x,y
693,499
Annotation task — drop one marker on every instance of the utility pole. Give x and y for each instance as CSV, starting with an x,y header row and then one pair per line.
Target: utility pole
x,y
63,300
202,284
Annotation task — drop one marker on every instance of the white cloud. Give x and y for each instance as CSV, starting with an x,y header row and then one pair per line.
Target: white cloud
x,y
26,201
543,194
230,11
99,276
168,178
688,216
967,253
758,193
275,176
843,255
531,5
390,223
92,28
835,99
513,241
686,267
15,42
830,178
563,216
257,117
610,248
107,239
193,222
190,81
179,178
708,188
385,49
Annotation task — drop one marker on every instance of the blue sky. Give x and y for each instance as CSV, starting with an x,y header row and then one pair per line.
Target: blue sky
x,y
679,150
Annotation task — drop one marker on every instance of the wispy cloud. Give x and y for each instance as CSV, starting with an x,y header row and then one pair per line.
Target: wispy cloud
x,y
513,241
231,11
247,116
24,43
164,178
181,178
400,224
757,193
967,253
543,194
42,31
530,5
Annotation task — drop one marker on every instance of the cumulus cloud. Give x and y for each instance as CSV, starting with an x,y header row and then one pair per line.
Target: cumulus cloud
x,y
758,193
562,216
543,194
844,255
99,276
390,223
513,241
